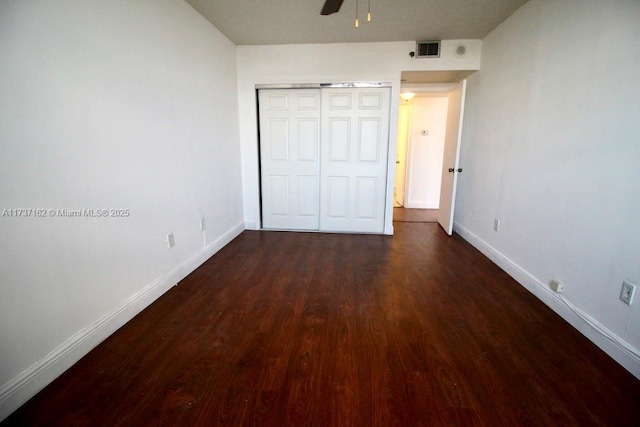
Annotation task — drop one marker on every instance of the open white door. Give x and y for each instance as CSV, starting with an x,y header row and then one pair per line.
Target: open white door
x,y
401,155
450,162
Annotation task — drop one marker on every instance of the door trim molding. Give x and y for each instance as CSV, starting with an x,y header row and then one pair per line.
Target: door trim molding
x,y
385,87
323,85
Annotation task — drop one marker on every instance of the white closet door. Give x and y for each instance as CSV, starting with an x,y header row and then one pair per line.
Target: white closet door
x,y
290,158
354,151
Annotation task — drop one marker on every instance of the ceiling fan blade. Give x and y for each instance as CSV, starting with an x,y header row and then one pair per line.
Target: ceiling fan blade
x,y
331,6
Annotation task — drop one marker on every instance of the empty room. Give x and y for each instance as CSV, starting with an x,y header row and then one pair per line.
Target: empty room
x,y
197,212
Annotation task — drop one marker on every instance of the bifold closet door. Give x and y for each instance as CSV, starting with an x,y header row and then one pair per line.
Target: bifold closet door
x,y
353,162
290,158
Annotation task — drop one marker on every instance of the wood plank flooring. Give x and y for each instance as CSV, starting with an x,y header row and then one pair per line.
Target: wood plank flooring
x,y
415,215
302,329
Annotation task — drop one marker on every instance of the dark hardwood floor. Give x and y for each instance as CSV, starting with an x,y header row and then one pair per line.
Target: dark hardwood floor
x,y
415,215
302,329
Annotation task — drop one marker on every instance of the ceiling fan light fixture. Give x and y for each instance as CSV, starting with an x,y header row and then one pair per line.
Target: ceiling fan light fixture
x,y
357,24
407,96
331,6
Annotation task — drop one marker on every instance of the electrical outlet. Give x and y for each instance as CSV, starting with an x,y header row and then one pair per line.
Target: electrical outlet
x,y
171,242
557,286
627,291
203,224
496,224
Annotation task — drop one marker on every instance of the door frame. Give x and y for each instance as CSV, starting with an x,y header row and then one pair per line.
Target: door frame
x,y
442,88
388,208
403,177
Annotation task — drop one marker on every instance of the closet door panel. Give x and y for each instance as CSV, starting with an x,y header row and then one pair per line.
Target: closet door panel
x,y
289,122
354,153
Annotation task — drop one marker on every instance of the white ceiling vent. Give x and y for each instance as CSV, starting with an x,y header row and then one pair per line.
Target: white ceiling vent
x,y
430,49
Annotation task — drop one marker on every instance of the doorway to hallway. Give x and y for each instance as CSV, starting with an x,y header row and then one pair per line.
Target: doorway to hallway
x,y
427,157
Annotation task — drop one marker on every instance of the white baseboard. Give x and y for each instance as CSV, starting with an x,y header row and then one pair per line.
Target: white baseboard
x,y
251,225
422,204
554,301
21,388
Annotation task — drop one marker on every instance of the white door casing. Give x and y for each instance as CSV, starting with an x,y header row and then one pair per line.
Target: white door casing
x,y
289,121
354,159
402,171
451,160
324,158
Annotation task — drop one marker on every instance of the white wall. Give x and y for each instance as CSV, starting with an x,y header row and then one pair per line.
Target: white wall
x,y
425,152
106,104
551,146
329,63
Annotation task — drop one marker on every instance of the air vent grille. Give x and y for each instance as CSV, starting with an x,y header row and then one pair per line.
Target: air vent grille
x,y
430,49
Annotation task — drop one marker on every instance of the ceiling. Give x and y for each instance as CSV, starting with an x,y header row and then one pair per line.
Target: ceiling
x,y
259,22
409,77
